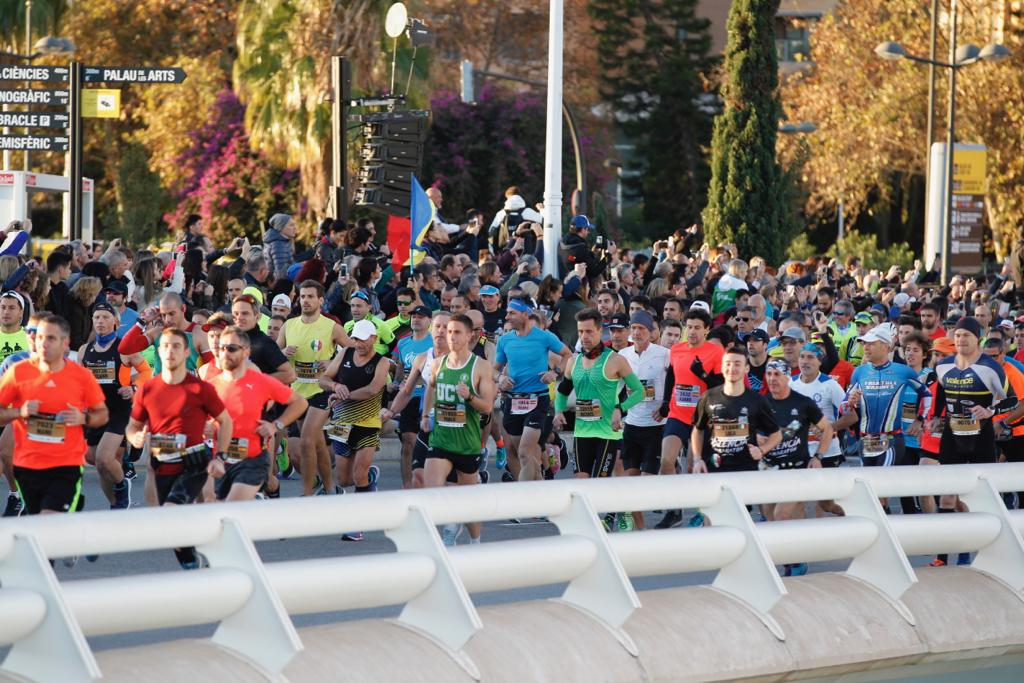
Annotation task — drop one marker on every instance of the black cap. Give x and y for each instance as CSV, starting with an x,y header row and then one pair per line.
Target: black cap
x,y
805,281
758,334
104,306
116,286
619,321
420,310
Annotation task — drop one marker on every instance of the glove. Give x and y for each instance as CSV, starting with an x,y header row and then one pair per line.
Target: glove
x,y
196,461
697,368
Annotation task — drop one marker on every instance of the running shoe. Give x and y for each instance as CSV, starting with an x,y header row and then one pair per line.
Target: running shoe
x,y
260,495
484,455
672,518
373,476
450,534
199,563
963,559
507,476
354,536
122,495
129,469
605,524
608,520
283,462
14,505
485,477
91,558
1010,500
500,457
798,569
937,562
696,521
625,521
70,562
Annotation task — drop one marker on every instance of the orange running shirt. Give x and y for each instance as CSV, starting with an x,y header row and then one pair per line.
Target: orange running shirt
x,y
245,399
40,442
688,389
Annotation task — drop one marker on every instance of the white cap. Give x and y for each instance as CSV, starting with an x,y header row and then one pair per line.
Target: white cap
x,y
703,305
880,333
363,329
281,300
902,299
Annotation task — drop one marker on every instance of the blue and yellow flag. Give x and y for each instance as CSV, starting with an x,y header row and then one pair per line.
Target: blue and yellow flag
x,y
422,213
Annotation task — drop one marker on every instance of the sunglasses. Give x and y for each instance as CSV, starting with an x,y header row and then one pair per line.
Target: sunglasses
x,y
404,303
247,298
231,348
744,320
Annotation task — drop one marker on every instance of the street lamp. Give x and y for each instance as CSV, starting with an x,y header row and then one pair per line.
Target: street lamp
x,y
958,58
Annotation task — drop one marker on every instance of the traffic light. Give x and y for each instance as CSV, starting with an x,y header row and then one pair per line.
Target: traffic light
x,y
391,151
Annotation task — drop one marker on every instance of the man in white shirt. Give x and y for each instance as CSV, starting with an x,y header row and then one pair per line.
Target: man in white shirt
x,y
641,436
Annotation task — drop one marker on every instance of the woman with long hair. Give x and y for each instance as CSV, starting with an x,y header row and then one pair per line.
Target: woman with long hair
x,y
83,296
218,278
549,292
148,286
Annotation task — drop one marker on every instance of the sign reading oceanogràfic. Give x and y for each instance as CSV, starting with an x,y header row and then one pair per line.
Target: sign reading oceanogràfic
x,y
132,74
35,143
22,119
23,96
17,72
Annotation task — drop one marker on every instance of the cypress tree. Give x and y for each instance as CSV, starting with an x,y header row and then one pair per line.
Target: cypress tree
x,y
652,56
746,199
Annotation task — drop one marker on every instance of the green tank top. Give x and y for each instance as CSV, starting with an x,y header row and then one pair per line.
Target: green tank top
x,y
456,423
596,398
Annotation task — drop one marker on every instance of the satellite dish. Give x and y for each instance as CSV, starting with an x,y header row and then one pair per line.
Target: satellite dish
x,y
394,24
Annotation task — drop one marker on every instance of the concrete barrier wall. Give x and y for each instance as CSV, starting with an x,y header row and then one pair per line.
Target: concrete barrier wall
x,y
834,628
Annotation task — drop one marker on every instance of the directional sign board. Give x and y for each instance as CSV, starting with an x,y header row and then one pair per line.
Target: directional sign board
x,y
16,72
22,96
113,74
18,119
40,143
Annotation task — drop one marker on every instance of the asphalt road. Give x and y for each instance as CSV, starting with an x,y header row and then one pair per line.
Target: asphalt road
x,y
129,564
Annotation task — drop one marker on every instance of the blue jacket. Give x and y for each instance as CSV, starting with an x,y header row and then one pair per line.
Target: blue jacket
x,y
279,252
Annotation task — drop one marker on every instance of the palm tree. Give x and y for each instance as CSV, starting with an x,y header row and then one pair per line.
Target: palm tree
x,y
283,75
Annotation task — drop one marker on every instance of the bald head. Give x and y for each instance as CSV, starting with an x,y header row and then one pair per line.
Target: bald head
x,y
434,195
477,317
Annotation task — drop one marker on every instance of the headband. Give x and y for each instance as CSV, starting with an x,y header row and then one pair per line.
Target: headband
x,y
517,305
779,365
815,349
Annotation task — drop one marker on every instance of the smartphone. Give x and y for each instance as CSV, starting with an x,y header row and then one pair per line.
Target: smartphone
x,y
343,270
599,241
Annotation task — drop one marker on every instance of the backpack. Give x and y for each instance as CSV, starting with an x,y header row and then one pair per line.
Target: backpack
x,y
500,236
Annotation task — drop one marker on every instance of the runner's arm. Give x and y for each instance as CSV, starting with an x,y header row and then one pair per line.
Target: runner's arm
x,y
285,373
134,341
325,381
401,399
340,337
135,432
294,409
428,392
485,390
224,428
670,383
825,439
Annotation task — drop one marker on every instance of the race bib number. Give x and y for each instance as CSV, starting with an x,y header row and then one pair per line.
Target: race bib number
x,y
687,395
45,428
964,425
167,447
308,373
450,415
588,410
105,373
238,449
730,432
648,389
337,432
874,444
909,412
521,405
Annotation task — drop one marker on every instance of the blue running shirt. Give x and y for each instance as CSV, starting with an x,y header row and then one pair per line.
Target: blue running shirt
x,y
527,358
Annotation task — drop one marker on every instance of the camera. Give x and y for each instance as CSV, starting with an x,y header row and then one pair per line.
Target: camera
x,y
343,270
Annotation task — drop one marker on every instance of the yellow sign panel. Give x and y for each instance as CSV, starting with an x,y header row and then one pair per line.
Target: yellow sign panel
x,y
969,171
101,103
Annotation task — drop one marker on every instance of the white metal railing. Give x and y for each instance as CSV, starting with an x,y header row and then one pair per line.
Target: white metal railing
x,y
46,621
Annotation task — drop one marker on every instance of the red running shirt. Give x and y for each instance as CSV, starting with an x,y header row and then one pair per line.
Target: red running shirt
x,y
245,399
688,387
177,408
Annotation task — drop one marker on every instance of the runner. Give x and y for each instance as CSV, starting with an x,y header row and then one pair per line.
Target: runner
x,y
525,382
595,374
51,401
406,352
757,360
460,390
1009,435
641,437
171,410
13,507
13,338
420,374
916,349
309,342
693,369
113,372
356,378
359,305
214,326
147,332
795,414
245,466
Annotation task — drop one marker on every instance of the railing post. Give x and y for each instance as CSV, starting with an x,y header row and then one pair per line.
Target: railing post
x,y
1004,557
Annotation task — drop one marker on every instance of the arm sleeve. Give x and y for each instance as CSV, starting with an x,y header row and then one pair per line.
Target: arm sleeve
x,y
562,395
145,373
670,383
831,354
14,243
12,281
636,392
133,342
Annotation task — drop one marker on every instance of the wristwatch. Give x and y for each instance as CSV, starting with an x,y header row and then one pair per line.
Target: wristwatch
x,y
279,425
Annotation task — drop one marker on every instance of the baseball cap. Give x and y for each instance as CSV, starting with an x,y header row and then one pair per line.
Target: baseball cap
x,y
642,318
702,305
363,329
255,293
581,222
100,306
880,333
1006,324
619,321
863,318
489,290
758,335
902,299
794,333
282,300
116,286
944,345
421,310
